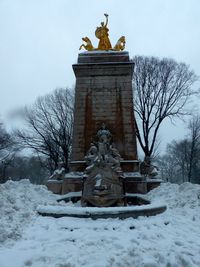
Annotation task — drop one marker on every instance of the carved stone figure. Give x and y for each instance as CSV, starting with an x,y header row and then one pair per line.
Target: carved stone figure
x,y
147,169
104,136
59,173
103,180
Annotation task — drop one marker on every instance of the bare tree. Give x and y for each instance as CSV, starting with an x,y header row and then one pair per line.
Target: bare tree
x,y
49,127
5,138
27,167
194,150
181,162
162,90
167,168
174,164
8,150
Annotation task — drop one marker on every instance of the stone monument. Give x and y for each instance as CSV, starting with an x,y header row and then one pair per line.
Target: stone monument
x,y
104,109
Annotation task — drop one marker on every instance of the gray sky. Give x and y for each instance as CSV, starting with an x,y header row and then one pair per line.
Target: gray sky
x,y
39,41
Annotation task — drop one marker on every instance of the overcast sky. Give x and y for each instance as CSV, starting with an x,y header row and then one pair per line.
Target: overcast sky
x,y
39,41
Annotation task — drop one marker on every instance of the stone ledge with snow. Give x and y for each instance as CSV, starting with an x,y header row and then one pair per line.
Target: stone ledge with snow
x,y
102,213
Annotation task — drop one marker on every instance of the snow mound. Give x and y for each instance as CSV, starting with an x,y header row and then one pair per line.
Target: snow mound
x,y
186,195
171,239
18,203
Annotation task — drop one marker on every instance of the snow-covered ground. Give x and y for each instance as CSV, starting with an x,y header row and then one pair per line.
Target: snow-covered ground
x,y
171,239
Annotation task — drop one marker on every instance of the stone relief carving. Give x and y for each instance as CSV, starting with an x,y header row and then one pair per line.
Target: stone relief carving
x,y
103,179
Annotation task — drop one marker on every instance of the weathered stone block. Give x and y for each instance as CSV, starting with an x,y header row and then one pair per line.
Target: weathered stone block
x,y
72,185
54,186
153,183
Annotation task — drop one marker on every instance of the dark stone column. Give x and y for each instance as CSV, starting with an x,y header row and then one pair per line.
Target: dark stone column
x,y
104,95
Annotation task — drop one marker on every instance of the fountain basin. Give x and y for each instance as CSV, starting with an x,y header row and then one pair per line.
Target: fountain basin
x,y
102,213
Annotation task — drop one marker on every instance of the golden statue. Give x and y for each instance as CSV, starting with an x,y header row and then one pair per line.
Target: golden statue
x,y
104,42
102,34
120,45
88,45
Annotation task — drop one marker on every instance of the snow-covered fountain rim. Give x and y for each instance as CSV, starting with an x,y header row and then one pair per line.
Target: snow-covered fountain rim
x,y
102,212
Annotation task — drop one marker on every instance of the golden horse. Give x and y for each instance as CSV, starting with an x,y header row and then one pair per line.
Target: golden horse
x,y
120,45
88,46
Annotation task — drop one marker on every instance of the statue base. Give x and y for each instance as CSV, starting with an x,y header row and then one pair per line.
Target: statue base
x,y
133,182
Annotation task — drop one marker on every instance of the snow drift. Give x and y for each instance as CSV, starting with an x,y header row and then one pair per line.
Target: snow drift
x,y
18,203
171,239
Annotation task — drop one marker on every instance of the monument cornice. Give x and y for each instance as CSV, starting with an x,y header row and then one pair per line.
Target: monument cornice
x,y
102,69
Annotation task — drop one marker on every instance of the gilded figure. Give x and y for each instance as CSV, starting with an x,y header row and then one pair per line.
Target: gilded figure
x,y
120,45
88,46
102,34
104,42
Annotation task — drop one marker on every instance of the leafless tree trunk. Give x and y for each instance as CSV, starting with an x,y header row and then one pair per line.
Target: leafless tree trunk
x,y
162,90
